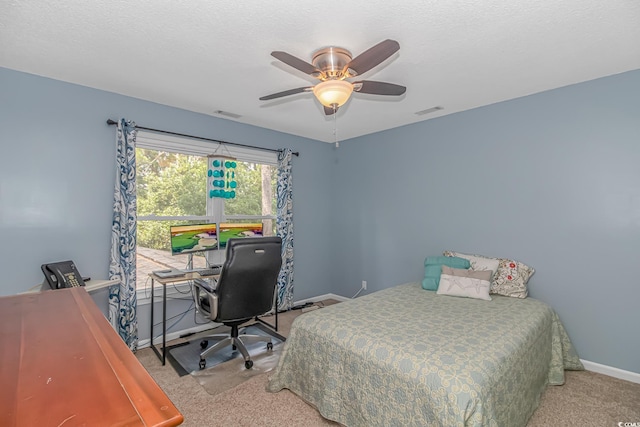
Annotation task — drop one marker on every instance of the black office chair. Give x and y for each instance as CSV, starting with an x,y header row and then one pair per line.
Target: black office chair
x,y
246,288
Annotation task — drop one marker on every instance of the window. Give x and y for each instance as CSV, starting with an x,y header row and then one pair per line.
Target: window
x,y
173,187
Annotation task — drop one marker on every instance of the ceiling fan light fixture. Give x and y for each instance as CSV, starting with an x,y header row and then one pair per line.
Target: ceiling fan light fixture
x,y
333,92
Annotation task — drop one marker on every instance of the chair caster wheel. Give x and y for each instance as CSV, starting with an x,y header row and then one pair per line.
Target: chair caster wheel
x,y
269,346
248,364
202,363
204,344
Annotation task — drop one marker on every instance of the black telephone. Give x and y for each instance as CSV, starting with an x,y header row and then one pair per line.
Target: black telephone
x,y
63,274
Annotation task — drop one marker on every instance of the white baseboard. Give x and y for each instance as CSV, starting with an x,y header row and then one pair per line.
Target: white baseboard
x,y
611,371
322,298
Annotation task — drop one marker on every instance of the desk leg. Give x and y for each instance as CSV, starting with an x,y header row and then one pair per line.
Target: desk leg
x,y
164,323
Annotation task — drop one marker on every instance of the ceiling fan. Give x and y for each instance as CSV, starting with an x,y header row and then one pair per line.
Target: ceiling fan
x,y
333,66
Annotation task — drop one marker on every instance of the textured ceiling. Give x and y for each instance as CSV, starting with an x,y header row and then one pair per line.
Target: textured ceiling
x,y
207,56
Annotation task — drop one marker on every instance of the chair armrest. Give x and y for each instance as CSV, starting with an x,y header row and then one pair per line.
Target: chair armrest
x,y
204,285
204,290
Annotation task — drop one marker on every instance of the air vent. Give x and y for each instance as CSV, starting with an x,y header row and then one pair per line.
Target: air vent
x,y
227,114
429,110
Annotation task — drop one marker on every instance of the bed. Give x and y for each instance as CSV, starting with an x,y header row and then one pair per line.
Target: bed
x,y
405,356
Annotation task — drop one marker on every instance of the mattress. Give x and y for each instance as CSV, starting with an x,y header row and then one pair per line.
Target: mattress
x,y
405,356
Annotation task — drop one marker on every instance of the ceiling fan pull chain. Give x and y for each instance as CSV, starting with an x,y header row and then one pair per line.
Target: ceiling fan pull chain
x,y
335,126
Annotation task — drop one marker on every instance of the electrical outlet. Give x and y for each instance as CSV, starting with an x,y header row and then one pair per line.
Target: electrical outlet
x,y
364,285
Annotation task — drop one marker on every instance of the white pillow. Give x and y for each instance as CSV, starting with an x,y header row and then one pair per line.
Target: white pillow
x,y
465,283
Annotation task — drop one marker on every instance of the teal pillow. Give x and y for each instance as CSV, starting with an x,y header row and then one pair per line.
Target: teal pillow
x,y
433,269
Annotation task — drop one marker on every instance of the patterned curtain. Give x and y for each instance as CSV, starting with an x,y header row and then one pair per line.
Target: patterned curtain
x,y
122,297
284,226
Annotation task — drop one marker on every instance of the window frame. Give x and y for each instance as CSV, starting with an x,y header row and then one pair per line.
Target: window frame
x,y
198,147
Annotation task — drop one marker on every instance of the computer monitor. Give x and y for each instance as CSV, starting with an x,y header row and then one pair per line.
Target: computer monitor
x,y
191,238
230,230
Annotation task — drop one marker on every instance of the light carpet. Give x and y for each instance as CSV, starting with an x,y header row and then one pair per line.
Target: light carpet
x,y
587,399
185,357
225,376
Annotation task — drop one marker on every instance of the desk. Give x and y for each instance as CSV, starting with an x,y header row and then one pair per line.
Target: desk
x,y
162,355
164,282
61,363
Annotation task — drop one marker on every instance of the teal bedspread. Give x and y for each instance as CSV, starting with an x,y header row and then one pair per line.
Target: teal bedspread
x,y
405,356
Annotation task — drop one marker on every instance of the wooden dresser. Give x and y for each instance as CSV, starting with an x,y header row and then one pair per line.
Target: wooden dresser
x,y
62,364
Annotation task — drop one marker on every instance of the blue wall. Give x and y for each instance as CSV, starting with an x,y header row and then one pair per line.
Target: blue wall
x,y
57,172
552,180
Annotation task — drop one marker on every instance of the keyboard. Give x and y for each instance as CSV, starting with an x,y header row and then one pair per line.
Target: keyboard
x,y
166,274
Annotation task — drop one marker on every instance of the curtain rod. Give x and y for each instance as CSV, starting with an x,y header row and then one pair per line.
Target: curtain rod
x,y
111,122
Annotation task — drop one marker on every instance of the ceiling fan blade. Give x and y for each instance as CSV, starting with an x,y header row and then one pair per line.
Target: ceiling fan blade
x,y
286,93
378,88
373,56
328,111
296,63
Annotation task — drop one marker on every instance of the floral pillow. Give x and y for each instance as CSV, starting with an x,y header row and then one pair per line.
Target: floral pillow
x,y
510,279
